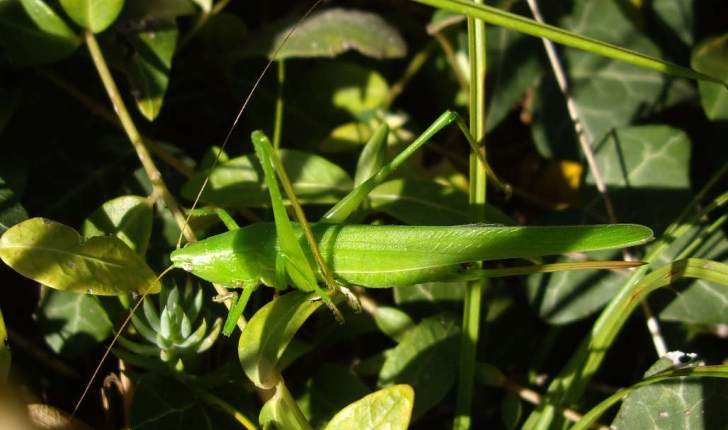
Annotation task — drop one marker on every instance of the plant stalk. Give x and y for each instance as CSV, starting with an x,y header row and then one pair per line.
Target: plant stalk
x,y
478,179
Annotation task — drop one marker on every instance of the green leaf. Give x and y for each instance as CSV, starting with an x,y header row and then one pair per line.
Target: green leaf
x,y
164,402
424,360
393,322
338,91
697,301
11,211
128,217
681,375
72,324
5,356
371,158
240,182
56,256
346,137
366,90
95,15
608,93
711,56
511,410
35,35
331,32
269,332
677,20
388,408
150,67
564,297
646,170
432,297
330,388
676,403
47,19
421,202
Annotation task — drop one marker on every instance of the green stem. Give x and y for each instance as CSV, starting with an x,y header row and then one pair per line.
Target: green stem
x,y
295,415
494,16
478,178
278,125
227,407
160,188
136,139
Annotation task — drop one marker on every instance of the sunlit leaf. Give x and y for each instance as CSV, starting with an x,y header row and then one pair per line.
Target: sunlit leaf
x,y
239,181
331,32
34,34
95,15
695,403
47,19
149,70
267,334
608,93
330,388
55,255
388,408
127,217
646,170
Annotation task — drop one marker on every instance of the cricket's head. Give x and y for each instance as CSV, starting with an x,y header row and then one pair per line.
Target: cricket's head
x,y
213,260
181,259
195,258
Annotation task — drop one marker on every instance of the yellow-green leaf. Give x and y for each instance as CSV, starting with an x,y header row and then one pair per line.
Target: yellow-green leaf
x,y
389,408
95,15
55,255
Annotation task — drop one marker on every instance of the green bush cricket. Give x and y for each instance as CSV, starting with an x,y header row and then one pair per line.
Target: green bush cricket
x,y
378,256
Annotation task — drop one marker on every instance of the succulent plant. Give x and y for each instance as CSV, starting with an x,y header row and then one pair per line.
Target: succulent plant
x,y
169,330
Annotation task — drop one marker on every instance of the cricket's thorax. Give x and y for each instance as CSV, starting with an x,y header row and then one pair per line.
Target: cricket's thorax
x,y
232,259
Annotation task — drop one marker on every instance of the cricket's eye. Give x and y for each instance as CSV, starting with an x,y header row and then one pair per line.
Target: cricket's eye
x,y
188,267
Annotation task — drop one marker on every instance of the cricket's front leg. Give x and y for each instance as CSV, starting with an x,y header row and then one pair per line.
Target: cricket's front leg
x,y
237,305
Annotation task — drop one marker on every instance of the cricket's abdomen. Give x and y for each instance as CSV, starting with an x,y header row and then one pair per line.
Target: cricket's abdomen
x,y
387,256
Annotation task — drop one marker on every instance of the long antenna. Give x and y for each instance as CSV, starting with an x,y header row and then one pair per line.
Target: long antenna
x,y
242,109
197,199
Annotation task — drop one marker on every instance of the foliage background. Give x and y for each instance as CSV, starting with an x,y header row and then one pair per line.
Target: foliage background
x,y
61,160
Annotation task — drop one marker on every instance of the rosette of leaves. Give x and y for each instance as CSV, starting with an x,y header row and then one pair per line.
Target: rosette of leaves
x,y
169,332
